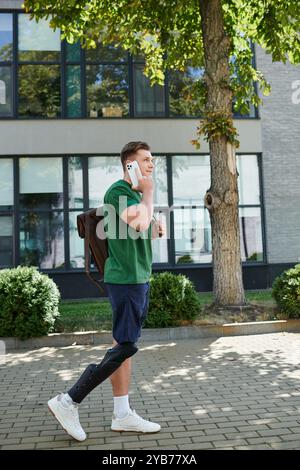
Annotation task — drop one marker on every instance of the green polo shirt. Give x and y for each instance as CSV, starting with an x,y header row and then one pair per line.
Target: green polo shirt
x,y
129,252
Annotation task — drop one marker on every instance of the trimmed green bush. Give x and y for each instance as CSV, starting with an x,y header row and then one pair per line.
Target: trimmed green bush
x,y
185,259
173,301
286,291
28,302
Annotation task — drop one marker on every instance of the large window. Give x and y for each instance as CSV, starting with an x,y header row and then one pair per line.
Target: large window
x,y
41,223
148,100
39,69
107,82
38,216
37,41
250,210
76,206
102,169
6,241
183,89
192,237
6,184
107,90
42,77
160,199
192,231
41,183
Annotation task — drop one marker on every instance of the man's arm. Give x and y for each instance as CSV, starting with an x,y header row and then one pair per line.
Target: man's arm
x,y
139,216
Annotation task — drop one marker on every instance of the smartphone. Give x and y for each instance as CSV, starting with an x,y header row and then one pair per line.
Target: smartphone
x,y
131,167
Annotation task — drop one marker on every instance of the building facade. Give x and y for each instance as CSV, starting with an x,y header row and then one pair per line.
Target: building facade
x,y
65,114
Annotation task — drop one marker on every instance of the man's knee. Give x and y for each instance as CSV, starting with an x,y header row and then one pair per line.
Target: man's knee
x,y
123,350
119,353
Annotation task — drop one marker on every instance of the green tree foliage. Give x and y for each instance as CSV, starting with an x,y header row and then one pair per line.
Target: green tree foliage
x,y
169,33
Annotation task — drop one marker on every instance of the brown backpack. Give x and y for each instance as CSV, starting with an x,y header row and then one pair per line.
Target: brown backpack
x,y
94,245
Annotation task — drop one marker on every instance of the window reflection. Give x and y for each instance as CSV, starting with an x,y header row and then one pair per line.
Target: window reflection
x,y
37,41
6,241
41,183
160,179
109,69
76,243
149,100
5,91
73,91
106,53
106,170
41,240
192,225
107,90
193,242
39,91
73,52
251,236
6,36
160,245
6,183
248,180
75,182
183,92
192,235
191,178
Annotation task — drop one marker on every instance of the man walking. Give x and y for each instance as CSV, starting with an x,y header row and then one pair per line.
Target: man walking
x,y
129,228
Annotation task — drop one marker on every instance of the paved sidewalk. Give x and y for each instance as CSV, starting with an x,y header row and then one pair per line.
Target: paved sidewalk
x,y
239,392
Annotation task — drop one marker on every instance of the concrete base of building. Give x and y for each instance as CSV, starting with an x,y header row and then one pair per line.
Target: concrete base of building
x,y
76,284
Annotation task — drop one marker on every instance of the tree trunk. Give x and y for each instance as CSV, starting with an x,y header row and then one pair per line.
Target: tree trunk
x,y
221,199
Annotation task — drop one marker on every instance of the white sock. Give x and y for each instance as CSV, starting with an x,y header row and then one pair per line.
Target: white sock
x,y
121,406
67,400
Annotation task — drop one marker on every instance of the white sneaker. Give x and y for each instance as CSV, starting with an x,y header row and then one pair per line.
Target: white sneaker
x,y
133,422
67,416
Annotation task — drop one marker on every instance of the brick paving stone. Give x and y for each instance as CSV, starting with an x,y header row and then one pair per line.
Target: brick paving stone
x,y
252,403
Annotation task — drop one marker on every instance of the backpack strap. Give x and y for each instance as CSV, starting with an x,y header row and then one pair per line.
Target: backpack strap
x,y
87,256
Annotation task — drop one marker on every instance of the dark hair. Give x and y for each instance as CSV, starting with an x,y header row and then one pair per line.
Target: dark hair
x,y
130,149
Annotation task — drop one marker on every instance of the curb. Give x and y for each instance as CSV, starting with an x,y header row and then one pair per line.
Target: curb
x,y
155,334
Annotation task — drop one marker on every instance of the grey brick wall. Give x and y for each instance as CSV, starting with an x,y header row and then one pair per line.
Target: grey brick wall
x,y
280,120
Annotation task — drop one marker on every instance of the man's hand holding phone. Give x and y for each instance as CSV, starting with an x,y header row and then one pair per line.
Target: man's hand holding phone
x,y
145,183
139,182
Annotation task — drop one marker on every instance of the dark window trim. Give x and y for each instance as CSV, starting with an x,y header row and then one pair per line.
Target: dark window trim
x,y
171,241
66,211
16,226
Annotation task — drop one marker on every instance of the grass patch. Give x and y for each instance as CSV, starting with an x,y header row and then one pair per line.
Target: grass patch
x,y
86,315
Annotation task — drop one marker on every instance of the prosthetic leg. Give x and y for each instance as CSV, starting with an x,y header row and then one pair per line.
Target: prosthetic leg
x,y
96,374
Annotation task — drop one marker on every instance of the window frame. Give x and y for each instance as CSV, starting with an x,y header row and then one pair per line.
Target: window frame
x,y
171,264
63,63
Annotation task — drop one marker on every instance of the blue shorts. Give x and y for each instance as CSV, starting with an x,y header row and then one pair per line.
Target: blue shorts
x,y
130,303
